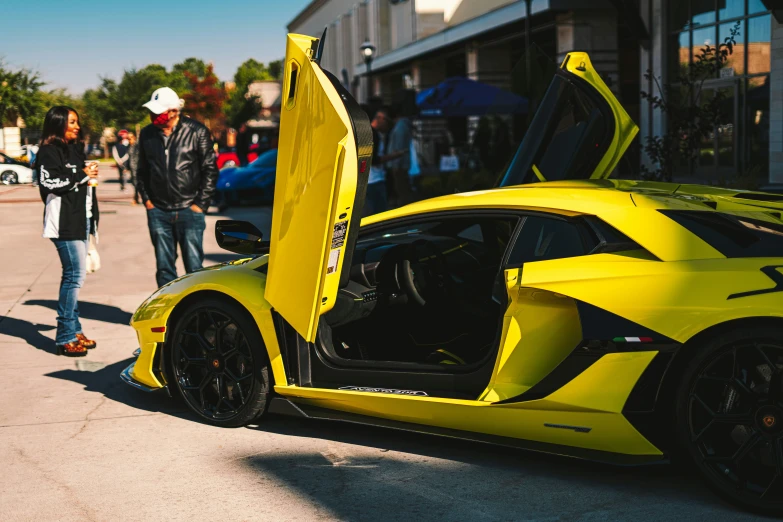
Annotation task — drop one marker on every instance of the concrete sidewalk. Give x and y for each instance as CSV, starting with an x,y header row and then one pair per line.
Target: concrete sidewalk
x,y
78,444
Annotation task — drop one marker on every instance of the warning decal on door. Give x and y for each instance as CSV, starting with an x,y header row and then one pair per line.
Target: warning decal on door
x,y
338,237
334,257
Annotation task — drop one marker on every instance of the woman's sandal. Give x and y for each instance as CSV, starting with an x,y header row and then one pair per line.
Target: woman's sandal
x,y
73,349
87,343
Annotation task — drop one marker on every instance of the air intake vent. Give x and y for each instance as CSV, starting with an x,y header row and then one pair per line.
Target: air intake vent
x,y
760,197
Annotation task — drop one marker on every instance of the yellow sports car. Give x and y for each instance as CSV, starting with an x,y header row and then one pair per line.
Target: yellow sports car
x,y
617,321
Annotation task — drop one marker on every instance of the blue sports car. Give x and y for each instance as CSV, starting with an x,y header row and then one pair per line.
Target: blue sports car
x,y
253,183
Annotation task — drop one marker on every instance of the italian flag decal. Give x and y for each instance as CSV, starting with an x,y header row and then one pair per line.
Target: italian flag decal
x,y
633,339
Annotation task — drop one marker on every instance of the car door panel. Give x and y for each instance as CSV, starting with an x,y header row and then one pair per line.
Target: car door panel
x,y
580,130
540,330
319,191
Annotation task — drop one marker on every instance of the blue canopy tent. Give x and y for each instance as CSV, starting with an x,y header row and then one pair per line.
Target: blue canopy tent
x,y
465,97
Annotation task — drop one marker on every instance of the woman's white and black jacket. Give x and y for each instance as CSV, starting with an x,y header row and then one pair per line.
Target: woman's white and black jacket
x,y
65,193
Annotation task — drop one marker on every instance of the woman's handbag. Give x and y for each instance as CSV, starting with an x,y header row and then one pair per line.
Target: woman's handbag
x,y
93,258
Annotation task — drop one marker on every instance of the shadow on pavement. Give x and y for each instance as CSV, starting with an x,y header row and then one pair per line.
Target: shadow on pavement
x,y
28,332
88,310
469,481
107,382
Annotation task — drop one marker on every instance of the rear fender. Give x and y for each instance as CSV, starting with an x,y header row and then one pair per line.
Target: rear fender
x,y
677,299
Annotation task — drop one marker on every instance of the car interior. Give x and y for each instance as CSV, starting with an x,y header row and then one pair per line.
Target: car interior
x,y
422,293
432,292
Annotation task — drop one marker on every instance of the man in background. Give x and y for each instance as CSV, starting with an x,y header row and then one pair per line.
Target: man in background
x,y
133,165
242,144
120,154
177,190
376,199
398,147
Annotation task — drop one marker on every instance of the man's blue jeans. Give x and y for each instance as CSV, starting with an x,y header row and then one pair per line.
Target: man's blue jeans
x,y
73,256
169,228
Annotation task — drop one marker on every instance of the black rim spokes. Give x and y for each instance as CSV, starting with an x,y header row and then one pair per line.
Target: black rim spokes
x,y
732,403
213,363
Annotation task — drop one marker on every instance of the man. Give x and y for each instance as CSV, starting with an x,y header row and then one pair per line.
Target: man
x,y
399,147
120,153
242,144
376,199
133,165
176,179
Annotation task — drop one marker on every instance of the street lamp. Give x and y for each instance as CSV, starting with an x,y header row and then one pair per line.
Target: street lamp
x,y
368,53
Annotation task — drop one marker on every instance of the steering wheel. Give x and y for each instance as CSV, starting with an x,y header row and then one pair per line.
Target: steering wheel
x,y
423,273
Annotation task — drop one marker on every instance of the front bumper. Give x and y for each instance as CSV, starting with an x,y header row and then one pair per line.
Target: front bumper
x,y
127,376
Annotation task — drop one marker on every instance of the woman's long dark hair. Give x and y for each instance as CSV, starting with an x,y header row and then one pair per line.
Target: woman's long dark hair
x,y
55,123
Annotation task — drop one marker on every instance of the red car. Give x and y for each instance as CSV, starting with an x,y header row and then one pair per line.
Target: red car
x,y
227,158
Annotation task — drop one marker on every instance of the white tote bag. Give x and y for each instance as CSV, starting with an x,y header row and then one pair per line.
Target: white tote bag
x,y
93,258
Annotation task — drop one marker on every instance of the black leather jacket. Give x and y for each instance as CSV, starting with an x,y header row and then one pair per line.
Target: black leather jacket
x,y
190,174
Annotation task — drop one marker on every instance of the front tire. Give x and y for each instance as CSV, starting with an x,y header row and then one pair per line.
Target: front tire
x,y
219,363
729,417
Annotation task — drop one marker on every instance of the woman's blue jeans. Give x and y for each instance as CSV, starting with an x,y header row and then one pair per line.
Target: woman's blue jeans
x,y
73,256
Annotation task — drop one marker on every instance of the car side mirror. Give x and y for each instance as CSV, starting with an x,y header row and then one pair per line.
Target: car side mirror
x,y
240,237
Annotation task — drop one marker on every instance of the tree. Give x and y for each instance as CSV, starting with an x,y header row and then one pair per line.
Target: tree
x,y
276,69
250,71
692,117
120,104
18,94
240,107
45,100
204,102
194,66
178,80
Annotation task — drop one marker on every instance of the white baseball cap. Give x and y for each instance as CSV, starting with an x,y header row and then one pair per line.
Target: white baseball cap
x,y
162,100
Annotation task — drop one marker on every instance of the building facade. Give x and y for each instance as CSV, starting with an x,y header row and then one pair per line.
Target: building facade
x,y
419,43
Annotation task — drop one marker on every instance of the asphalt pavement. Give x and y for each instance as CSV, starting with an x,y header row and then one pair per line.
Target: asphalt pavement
x,y
78,444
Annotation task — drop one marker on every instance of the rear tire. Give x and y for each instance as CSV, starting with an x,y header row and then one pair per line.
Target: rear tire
x,y
729,417
219,364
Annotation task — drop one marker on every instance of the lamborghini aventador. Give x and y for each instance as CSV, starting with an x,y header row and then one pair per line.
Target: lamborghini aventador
x,y
619,321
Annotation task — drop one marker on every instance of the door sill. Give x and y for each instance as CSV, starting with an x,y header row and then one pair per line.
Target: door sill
x,y
283,406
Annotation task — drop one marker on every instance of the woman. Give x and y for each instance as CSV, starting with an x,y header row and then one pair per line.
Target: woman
x,y
70,216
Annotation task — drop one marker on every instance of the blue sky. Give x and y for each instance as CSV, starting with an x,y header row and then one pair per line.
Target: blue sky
x,y
72,43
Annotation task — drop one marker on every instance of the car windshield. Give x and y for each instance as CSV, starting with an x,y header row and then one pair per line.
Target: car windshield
x,y
267,159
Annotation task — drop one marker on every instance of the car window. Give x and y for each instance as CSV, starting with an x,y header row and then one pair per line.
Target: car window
x,y
543,238
473,233
462,239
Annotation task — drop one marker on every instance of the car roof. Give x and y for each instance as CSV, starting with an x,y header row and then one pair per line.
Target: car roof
x,y
595,197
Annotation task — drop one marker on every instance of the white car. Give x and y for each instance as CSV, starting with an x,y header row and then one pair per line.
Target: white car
x,y
13,171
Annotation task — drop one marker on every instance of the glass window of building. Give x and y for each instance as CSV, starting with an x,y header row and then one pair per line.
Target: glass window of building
x,y
739,145
728,9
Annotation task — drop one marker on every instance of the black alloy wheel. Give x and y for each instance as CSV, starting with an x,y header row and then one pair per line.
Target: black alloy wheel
x,y
730,415
219,363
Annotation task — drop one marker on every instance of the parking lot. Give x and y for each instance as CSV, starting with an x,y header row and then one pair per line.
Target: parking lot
x,y
78,444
